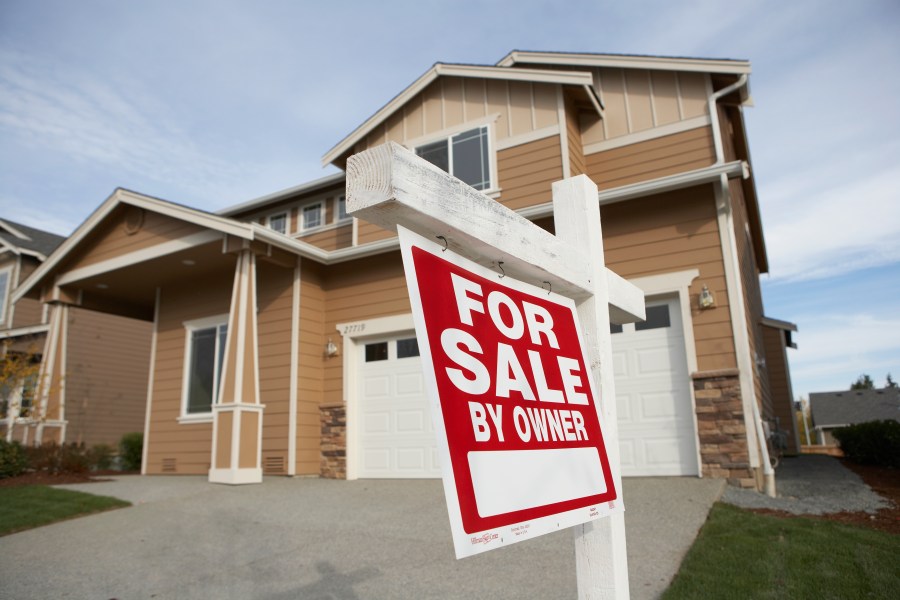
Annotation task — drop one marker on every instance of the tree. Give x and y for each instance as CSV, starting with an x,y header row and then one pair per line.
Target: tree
x,y
889,382
863,382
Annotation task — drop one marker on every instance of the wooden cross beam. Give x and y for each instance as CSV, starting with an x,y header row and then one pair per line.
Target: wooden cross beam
x,y
389,186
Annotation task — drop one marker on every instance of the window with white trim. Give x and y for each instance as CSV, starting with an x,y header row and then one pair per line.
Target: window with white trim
x,y
311,216
278,222
465,155
341,211
204,355
5,289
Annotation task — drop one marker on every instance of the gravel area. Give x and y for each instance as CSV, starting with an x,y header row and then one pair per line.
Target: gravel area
x,y
812,485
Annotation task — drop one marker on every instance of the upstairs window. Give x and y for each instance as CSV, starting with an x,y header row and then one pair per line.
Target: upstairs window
x,y
464,155
278,222
342,209
311,216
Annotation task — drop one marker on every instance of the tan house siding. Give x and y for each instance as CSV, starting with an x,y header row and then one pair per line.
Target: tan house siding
x,y
311,372
112,238
334,238
27,311
189,445
367,232
658,157
274,306
639,100
673,232
780,384
106,376
573,137
527,172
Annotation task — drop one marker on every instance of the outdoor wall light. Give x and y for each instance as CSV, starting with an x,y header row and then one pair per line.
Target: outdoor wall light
x,y
331,348
707,300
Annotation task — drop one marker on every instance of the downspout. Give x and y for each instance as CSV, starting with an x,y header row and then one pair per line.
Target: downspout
x,y
768,471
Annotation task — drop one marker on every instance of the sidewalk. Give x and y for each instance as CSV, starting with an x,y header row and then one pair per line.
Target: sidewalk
x,y
316,538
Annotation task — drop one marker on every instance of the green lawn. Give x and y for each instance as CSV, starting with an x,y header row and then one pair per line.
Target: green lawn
x,y
30,506
740,554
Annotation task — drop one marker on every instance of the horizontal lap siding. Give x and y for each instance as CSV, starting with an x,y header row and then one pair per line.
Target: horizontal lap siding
x,y
367,232
110,240
27,311
274,304
573,136
780,384
670,232
527,172
106,377
311,366
652,159
332,239
189,444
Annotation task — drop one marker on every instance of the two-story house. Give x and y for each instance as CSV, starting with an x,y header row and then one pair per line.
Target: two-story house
x,y
102,385
282,337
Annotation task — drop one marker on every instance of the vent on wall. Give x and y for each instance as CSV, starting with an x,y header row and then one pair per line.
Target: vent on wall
x,y
274,464
168,465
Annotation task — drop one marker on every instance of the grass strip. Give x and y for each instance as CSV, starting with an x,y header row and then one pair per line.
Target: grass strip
x,y
741,554
28,506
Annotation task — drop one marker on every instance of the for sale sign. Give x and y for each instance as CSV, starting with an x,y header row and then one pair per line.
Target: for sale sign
x,y
513,401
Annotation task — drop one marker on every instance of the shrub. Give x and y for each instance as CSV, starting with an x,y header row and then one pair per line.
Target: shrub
x,y
54,458
13,460
131,450
872,443
100,457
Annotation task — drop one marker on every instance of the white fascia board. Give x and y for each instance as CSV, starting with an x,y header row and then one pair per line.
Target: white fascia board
x,y
439,69
20,331
672,182
121,196
659,63
303,188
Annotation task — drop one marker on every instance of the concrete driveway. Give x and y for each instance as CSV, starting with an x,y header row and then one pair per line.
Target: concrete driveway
x,y
323,539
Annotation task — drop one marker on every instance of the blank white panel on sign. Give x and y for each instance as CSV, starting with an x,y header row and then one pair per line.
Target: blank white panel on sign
x,y
509,480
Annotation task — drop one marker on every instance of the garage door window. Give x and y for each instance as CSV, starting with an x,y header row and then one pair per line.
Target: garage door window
x,y
393,349
407,348
376,352
657,318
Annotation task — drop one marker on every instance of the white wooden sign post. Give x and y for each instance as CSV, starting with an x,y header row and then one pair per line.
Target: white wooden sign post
x,y
391,187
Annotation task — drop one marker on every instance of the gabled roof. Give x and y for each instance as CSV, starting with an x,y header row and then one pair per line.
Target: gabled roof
x,y
576,78
834,409
22,238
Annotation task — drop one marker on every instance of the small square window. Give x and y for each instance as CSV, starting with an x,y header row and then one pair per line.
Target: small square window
x,y
657,318
312,216
278,222
407,348
342,209
376,352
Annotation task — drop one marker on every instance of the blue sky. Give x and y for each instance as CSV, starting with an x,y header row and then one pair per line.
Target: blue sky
x,y
212,103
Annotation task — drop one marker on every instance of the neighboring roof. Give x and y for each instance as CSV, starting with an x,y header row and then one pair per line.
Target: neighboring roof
x,y
835,409
32,241
576,78
628,61
303,188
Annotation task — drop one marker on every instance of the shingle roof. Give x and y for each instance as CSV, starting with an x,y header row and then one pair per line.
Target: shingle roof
x,y
35,240
855,406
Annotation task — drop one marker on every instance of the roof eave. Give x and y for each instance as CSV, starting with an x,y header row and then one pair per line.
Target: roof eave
x,y
662,63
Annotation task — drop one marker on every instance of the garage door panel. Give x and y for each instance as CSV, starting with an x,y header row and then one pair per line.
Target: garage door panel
x,y
624,404
376,422
410,383
410,421
376,386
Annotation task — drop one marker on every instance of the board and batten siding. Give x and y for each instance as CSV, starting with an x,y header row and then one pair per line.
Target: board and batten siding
x,y
638,100
670,232
107,360
651,159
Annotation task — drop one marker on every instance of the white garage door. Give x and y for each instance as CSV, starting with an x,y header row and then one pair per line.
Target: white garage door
x,y
656,420
396,436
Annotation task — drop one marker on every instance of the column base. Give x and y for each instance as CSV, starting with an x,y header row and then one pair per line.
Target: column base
x,y
235,476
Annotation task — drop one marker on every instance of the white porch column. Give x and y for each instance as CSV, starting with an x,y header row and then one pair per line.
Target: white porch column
x,y
237,414
49,411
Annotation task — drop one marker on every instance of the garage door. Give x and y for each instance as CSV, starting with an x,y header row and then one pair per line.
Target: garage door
x,y
656,420
396,436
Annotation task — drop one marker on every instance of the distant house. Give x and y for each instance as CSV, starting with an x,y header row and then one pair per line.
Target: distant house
x,y
831,410
283,341
101,359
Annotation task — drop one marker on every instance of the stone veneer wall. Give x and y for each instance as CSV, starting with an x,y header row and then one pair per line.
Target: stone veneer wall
x,y
722,429
333,461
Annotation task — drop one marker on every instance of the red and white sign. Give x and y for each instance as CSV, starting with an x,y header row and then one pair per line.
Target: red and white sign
x,y
512,398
